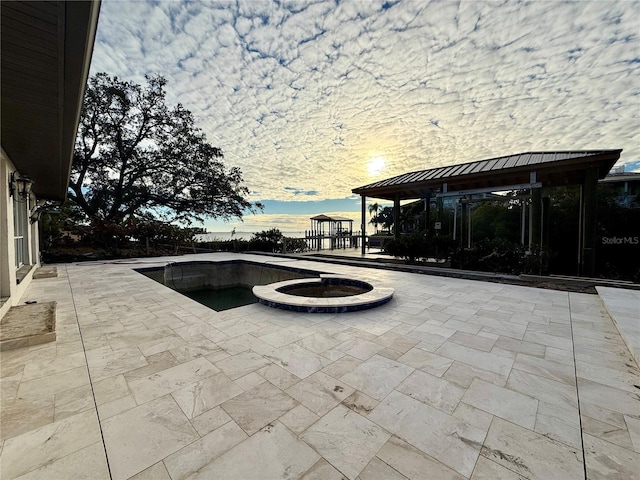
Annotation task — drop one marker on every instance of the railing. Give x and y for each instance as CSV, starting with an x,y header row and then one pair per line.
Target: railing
x,y
318,240
378,241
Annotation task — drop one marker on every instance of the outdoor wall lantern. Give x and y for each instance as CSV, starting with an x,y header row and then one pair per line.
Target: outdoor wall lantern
x,y
19,186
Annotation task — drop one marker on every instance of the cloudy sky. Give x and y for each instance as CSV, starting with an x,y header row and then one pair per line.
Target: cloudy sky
x,y
314,98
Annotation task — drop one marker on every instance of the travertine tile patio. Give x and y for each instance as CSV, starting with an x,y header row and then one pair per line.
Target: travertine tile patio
x,y
452,379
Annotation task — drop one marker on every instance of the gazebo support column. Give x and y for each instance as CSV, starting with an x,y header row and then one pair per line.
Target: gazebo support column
x,y
546,205
523,221
463,223
440,203
363,224
427,212
588,214
396,216
535,218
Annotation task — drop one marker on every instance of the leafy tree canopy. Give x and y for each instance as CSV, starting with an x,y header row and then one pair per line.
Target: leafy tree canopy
x,y
135,156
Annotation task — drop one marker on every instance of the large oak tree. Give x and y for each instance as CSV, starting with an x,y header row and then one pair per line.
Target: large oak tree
x,y
136,156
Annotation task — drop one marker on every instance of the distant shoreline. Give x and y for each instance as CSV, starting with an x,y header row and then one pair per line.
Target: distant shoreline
x,y
225,236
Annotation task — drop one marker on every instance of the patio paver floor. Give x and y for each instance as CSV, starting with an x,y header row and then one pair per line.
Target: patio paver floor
x,y
451,379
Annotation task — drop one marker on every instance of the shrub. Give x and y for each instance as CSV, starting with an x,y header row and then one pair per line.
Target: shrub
x,y
274,241
417,245
500,256
266,241
408,247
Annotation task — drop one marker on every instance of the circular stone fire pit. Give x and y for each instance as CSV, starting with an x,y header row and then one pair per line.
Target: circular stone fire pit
x,y
327,294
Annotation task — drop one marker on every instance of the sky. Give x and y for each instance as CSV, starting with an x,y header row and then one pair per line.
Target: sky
x,y
314,98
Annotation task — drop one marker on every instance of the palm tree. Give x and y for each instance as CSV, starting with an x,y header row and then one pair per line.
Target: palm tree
x,y
373,208
389,219
384,217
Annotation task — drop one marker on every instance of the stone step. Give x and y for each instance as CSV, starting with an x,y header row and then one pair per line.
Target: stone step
x,y
28,325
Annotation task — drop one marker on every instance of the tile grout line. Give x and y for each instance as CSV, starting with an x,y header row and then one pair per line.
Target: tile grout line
x,y
575,372
93,394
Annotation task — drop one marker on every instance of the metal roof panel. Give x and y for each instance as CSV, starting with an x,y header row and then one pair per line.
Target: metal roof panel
x,y
498,164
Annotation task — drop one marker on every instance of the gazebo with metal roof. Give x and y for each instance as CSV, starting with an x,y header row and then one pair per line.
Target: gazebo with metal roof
x,y
335,223
531,170
334,228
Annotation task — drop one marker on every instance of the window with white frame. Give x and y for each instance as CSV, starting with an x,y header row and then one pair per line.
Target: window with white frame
x,y
21,232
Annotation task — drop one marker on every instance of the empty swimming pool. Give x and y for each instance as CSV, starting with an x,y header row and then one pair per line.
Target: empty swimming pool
x,y
222,285
234,283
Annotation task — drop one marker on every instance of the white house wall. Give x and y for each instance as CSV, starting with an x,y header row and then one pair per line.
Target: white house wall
x,y
10,290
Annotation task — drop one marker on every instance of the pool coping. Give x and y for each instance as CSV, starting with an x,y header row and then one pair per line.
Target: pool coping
x,y
237,261
270,296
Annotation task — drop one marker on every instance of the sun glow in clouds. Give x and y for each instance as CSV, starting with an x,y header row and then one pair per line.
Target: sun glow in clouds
x,y
376,166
